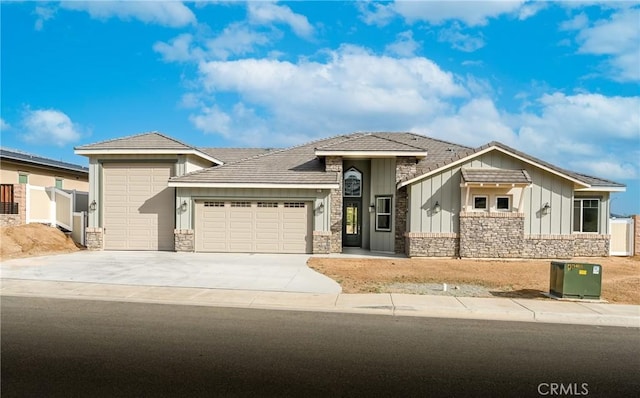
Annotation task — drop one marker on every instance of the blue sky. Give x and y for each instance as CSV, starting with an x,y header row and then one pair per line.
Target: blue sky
x,y
557,80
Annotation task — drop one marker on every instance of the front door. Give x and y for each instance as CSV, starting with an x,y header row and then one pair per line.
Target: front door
x,y
352,223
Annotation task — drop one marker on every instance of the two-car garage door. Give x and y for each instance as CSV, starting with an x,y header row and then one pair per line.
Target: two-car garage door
x,y
253,226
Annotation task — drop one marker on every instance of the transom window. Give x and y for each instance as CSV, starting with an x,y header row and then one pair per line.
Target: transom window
x,y
213,204
352,183
240,204
294,204
383,213
586,215
267,204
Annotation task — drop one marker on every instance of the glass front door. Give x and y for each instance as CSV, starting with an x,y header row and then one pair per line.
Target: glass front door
x,y
352,223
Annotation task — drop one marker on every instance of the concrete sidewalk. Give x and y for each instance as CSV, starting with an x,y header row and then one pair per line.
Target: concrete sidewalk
x,y
503,309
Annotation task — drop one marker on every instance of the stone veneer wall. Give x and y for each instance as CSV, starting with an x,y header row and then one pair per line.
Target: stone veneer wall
x,y
406,167
491,235
548,246
10,220
334,164
591,245
94,238
427,244
183,240
636,235
321,242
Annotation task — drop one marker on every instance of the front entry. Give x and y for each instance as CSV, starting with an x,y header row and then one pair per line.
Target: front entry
x,y
352,223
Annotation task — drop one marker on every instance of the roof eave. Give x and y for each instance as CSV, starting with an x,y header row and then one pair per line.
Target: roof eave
x,y
602,189
371,154
35,163
184,184
195,152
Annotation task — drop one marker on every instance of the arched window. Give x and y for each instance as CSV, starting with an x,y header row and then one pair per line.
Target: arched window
x,y
352,183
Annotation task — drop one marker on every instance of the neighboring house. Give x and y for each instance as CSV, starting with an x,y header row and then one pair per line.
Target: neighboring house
x,y
25,176
387,192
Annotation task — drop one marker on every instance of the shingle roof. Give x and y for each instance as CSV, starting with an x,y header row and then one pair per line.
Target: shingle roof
x,y
150,140
230,155
434,163
15,155
300,165
486,175
370,142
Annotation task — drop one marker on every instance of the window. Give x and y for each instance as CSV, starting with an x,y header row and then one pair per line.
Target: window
x,y
267,204
383,213
503,203
213,204
294,204
59,183
240,204
480,202
23,178
352,183
585,215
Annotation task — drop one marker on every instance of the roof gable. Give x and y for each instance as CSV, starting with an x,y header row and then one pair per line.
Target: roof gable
x,y
146,143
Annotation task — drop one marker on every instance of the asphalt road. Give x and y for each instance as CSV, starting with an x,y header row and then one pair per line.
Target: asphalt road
x,y
75,348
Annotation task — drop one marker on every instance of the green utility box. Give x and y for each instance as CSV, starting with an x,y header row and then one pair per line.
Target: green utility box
x,y
575,280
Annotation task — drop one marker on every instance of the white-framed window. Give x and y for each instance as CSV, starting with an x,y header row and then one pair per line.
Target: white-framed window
x,y
503,203
480,202
383,213
294,205
241,204
23,178
586,215
213,204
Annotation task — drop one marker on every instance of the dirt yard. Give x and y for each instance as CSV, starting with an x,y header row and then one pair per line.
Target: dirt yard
x,y
521,278
33,240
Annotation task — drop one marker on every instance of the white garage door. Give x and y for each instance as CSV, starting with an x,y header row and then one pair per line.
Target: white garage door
x,y
138,206
253,227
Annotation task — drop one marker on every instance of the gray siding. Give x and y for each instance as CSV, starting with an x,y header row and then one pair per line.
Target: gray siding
x,y
184,220
383,182
444,187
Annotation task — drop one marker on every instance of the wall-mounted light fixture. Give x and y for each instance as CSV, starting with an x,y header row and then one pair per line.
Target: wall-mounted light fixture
x,y
183,206
437,208
93,206
372,208
320,208
546,209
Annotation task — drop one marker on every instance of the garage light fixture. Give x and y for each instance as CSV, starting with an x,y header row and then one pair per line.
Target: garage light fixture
x,y
183,206
546,209
320,208
437,208
93,206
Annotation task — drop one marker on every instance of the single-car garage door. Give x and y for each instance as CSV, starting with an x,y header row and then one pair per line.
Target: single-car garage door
x,y
138,206
253,227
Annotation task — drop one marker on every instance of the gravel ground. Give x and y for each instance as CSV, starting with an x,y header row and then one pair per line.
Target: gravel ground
x,y
437,289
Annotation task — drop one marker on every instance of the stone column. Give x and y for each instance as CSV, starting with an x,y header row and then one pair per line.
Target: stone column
x,y
183,240
20,197
94,238
636,235
334,164
405,169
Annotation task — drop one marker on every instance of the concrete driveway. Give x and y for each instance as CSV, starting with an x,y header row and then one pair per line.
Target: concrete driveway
x,y
268,272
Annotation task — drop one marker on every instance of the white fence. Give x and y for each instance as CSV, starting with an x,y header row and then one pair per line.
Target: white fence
x,y
621,236
57,208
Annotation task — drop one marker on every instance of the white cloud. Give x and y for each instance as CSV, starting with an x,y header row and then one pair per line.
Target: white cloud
x,y
352,90
610,167
49,127
166,13
617,37
471,13
179,49
404,45
460,41
212,120
235,39
265,13
44,14
374,13
4,125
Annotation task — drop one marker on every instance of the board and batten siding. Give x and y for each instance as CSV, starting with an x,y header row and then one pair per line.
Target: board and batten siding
x,y
185,219
444,188
383,183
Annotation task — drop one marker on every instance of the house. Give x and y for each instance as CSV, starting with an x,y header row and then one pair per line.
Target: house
x,y
386,192
27,184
